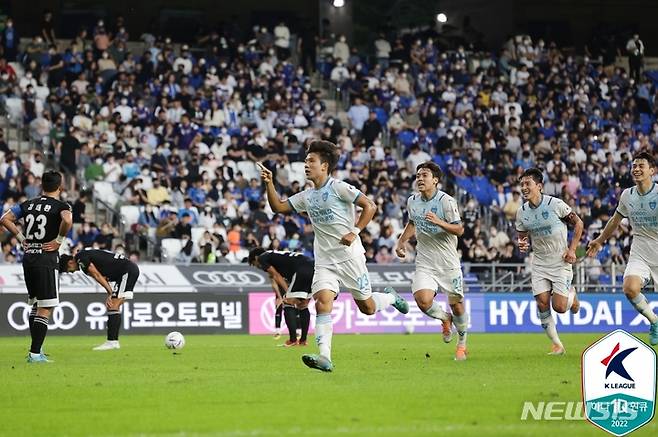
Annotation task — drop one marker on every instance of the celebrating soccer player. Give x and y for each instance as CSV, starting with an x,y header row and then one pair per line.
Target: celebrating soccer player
x,y
542,221
639,204
434,219
339,254
106,267
293,273
46,221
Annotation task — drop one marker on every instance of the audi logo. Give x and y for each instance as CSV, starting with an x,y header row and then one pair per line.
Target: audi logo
x,y
228,278
64,317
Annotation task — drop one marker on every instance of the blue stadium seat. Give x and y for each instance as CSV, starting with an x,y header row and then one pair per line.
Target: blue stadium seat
x,y
406,137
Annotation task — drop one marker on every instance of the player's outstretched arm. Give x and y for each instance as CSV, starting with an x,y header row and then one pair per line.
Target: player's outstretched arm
x,y
596,244
277,205
400,247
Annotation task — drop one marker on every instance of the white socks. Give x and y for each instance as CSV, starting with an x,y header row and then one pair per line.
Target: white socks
x,y
323,333
570,298
436,312
382,300
461,323
642,306
548,323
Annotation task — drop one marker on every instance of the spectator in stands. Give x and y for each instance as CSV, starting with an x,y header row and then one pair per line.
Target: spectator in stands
x,y
9,40
635,50
48,28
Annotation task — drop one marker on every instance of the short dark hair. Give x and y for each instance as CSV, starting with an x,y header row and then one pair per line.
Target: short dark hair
x,y
431,166
51,181
327,151
63,262
536,174
255,253
647,156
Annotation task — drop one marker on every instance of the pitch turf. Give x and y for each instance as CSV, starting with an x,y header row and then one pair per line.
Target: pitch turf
x,y
245,386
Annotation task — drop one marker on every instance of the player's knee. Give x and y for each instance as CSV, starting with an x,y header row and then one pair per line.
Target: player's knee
x,y
423,304
631,289
367,307
455,299
560,307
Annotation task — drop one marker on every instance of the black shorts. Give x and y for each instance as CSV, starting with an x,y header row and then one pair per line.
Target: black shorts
x,y
124,287
300,285
42,279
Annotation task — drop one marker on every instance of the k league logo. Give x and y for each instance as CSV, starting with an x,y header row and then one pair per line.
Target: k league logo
x,y
619,383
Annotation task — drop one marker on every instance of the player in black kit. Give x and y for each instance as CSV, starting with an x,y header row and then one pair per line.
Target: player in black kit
x,y
106,267
293,273
46,221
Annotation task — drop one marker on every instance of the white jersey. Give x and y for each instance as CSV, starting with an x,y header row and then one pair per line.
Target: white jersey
x,y
642,212
437,249
547,230
332,213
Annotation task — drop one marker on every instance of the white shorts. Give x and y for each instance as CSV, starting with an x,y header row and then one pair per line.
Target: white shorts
x,y
637,267
552,279
450,281
351,274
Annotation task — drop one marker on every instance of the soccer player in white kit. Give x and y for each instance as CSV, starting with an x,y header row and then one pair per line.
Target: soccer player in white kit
x,y
638,204
543,221
434,219
339,254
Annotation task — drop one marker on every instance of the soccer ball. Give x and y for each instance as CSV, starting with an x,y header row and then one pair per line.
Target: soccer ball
x,y
175,340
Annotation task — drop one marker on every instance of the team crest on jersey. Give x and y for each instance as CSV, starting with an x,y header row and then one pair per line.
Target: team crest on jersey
x,y
325,196
434,210
652,205
545,215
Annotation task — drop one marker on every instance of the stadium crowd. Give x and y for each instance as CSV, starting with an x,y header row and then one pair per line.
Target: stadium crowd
x,y
175,131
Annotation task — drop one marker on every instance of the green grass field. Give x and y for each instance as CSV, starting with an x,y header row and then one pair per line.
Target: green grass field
x,y
245,386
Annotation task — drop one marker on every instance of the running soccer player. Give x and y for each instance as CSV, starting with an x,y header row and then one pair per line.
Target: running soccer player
x,y
339,254
639,204
46,221
543,220
434,220
293,273
105,267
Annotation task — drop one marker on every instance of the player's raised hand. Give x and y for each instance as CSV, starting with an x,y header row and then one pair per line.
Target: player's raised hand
x,y
570,256
401,250
594,247
265,174
524,244
348,239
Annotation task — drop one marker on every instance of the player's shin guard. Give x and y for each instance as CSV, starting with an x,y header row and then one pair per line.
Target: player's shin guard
x,y
39,331
33,314
305,321
290,314
323,333
113,324
436,312
382,300
548,323
461,323
642,306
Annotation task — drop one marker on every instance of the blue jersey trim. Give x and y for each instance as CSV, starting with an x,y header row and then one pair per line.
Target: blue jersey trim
x,y
357,197
17,211
291,206
650,190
